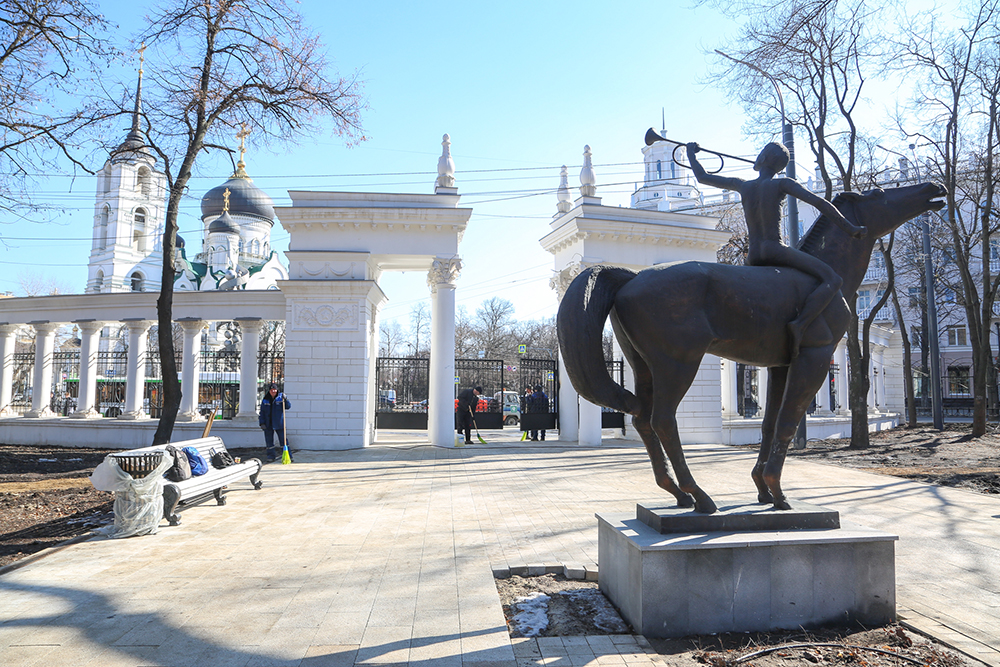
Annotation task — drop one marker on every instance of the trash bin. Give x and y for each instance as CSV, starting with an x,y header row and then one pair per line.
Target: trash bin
x,y
137,480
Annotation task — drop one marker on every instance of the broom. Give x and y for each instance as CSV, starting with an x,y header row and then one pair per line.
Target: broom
x,y
286,456
478,437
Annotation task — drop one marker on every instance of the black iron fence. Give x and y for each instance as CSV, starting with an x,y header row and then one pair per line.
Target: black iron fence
x,y
402,391
747,396
489,374
24,366
533,373
610,418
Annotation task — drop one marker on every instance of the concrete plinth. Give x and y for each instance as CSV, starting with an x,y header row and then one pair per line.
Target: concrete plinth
x,y
704,581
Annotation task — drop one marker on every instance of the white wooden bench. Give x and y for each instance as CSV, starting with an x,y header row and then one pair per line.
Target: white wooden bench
x,y
200,488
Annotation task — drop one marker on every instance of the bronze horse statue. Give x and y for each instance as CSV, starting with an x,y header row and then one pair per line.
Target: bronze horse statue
x,y
668,317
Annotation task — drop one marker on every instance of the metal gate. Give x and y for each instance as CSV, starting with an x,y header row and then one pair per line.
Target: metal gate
x,y
609,417
531,373
402,388
489,374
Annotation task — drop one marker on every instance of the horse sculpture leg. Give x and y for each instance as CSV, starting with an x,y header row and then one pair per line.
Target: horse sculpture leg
x,y
671,380
641,422
644,392
805,376
776,378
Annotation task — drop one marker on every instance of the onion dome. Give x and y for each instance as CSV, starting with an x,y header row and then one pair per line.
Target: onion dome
x,y
224,224
245,199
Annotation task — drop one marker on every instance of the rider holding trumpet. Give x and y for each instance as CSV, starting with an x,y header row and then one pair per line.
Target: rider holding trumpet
x,y
762,199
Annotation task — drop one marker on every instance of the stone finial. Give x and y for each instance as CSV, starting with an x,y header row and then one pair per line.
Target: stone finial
x,y
446,166
588,181
562,194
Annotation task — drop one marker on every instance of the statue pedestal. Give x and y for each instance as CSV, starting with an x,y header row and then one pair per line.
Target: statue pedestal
x,y
746,568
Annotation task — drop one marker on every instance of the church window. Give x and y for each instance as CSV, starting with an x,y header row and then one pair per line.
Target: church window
x,y
102,233
145,182
139,230
137,282
99,281
241,247
659,170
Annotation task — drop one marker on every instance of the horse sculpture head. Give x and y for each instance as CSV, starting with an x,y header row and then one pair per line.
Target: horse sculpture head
x,y
882,211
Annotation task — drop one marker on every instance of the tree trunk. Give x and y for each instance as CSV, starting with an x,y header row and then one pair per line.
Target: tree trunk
x,y
911,404
164,319
857,394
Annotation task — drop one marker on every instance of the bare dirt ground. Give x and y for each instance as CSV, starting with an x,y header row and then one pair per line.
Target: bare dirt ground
x,y
46,498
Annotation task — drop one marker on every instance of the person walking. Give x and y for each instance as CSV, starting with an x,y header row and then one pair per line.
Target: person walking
x,y
538,403
468,401
272,419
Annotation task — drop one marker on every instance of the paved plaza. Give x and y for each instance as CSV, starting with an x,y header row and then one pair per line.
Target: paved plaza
x,y
386,555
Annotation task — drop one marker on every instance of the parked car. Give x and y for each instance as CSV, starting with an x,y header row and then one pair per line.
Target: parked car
x,y
511,406
386,400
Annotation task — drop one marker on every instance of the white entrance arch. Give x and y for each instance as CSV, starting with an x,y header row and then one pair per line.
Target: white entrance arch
x,y
341,243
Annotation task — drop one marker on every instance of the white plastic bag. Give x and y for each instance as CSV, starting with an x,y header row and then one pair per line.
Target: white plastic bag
x,y
138,502
109,476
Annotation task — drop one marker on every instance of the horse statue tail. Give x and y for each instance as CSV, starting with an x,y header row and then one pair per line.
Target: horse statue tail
x,y
580,325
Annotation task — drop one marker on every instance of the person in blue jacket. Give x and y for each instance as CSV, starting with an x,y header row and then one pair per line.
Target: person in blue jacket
x,y
272,419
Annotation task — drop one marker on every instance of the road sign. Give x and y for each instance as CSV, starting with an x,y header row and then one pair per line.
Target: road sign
x,y
550,376
522,349
457,379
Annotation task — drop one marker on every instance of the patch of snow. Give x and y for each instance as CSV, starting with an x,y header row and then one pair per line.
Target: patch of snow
x,y
532,617
47,460
74,459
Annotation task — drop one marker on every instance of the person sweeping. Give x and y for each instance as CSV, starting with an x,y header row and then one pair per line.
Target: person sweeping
x,y
272,420
468,400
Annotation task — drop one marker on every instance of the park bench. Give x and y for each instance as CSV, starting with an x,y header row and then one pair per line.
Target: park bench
x,y
195,490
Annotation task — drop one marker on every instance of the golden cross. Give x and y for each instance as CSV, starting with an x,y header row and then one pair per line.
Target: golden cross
x,y
225,199
241,135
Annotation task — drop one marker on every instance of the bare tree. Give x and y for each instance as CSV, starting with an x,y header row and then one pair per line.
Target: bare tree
x,y
420,328
494,329
464,333
820,53
213,67
32,283
47,49
391,338
956,108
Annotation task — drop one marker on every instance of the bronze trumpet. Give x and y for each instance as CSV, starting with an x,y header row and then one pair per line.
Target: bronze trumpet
x,y
652,136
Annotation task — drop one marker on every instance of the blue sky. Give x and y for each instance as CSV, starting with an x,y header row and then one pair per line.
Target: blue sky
x,y
521,87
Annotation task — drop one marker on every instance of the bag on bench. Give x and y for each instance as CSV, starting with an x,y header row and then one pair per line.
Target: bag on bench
x,y
199,466
181,467
222,459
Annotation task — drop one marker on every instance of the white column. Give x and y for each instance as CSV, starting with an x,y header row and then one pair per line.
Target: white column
x,y
135,376
841,356
90,334
190,369
249,346
763,377
569,411
879,365
590,423
41,383
440,405
8,339
730,404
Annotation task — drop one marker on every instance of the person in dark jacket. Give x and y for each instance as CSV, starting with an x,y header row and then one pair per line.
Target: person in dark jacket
x,y
538,403
272,419
468,400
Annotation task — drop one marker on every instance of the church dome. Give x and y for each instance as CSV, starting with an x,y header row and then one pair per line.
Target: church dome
x,y
224,224
245,198
180,242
